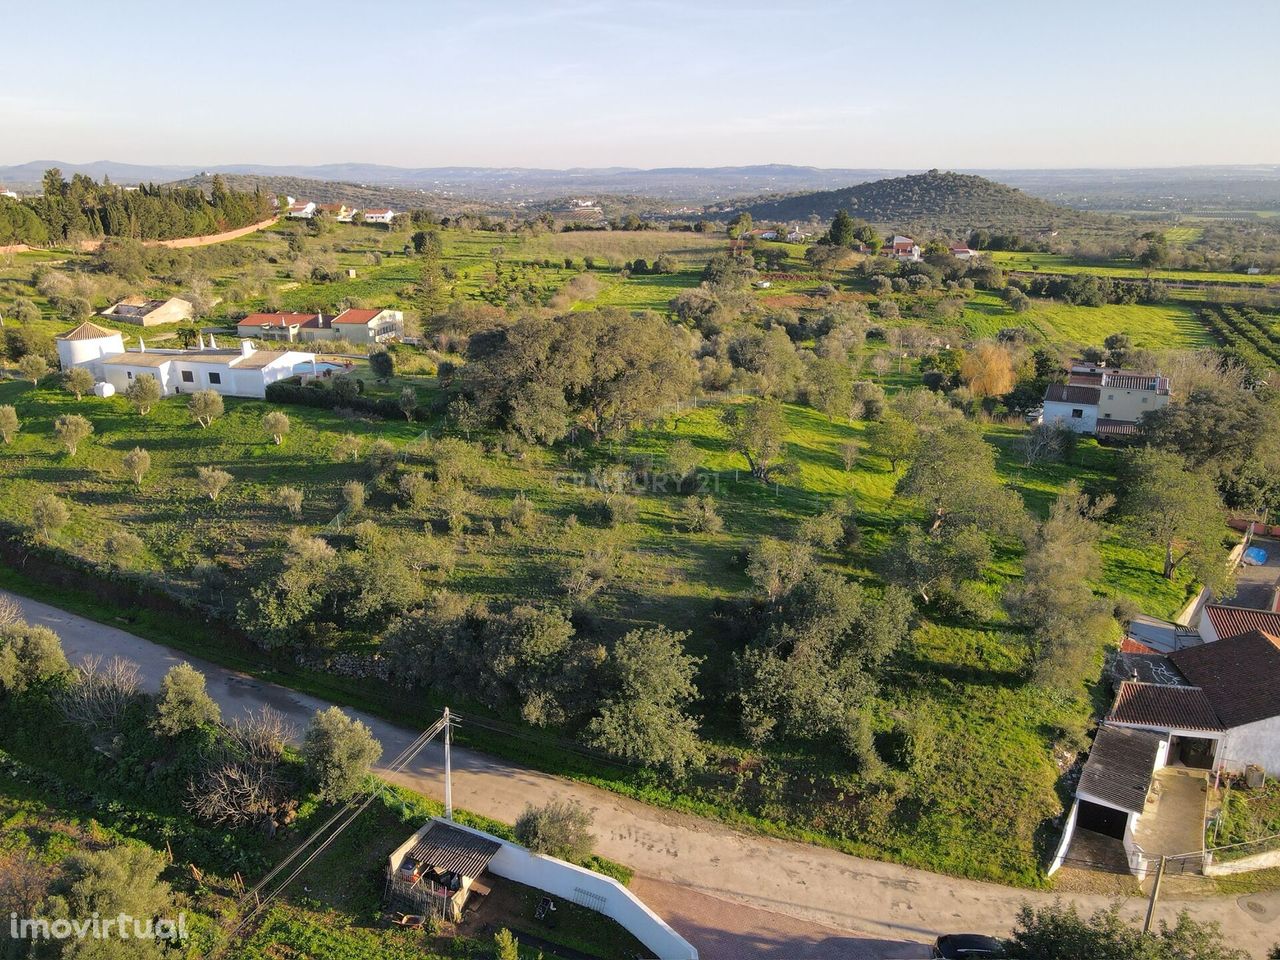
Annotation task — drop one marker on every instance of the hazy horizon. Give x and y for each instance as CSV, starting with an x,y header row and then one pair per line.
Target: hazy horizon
x,y
645,84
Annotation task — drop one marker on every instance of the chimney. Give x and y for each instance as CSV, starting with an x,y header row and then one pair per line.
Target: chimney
x,y
142,347
201,342
213,345
246,348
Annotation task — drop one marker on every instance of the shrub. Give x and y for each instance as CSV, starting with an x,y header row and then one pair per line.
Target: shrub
x,y
700,515
9,422
522,513
33,367
558,828
48,516
291,499
137,462
184,703
29,655
338,752
353,497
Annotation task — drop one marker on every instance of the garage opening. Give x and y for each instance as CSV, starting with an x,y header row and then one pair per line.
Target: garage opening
x,y
1105,820
1195,752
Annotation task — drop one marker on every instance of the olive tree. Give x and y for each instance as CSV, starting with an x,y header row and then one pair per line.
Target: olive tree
x,y
33,367
211,481
144,393
71,429
558,828
9,422
276,425
338,752
205,406
78,381
137,462
48,515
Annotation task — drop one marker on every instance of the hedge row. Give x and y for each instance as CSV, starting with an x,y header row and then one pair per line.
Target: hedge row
x,y
317,395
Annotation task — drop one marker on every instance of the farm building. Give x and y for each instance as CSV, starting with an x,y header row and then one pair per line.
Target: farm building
x,y
355,326
436,870
240,372
379,216
302,209
339,211
150,313
904,248
1104,401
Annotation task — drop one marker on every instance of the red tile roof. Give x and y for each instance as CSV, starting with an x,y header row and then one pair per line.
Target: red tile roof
x,y
1240,676
279,320
1070,393
1163,707
1086,379
360,317
1233,621
1130,645
87,331
378,213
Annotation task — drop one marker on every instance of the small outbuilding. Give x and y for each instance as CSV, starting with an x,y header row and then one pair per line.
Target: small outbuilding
x,y
436,870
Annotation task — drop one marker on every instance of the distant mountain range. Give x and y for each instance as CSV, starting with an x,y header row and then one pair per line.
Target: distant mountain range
x,y
956,202
1187,189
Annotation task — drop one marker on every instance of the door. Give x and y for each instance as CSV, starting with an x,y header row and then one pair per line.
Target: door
x,y
1105,820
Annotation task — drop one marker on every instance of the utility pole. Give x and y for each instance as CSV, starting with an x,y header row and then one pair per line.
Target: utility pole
x,y
1155,894
448,771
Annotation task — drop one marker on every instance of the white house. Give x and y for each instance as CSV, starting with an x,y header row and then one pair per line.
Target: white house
x,y
86,345
379,216
302,209
239,372
368,326
961,252
6,192
797,236
1072,406
905,249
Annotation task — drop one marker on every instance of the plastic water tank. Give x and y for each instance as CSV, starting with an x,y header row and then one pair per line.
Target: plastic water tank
x,y
103,389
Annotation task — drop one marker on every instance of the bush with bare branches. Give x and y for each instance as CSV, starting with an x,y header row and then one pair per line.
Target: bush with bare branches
x,y
99,692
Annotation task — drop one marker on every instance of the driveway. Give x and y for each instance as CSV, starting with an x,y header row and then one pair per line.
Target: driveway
x,y
731,893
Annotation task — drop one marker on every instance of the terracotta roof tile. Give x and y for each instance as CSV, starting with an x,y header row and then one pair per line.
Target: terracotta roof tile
x,y
1240,676
87,331
1234,621
360,317
1165,707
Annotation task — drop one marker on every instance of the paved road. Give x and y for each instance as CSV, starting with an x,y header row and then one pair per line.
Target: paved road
x,y
733,894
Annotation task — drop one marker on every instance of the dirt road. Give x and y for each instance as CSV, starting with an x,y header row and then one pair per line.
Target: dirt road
x,y
731,893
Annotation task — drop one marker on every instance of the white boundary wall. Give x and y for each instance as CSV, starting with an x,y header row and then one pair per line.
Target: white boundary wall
x,y
589,889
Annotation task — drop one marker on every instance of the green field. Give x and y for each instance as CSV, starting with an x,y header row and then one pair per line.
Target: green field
x,y
1163,325
966,674
1056,263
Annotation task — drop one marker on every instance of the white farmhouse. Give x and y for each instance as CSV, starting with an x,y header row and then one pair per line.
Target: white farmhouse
x,y
86,345
302,209
1072,406
384,215
239,372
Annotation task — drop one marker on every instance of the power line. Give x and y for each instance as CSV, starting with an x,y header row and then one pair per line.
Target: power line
x,y
348,814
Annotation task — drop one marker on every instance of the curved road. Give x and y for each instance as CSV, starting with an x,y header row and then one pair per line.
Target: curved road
x,y
733,894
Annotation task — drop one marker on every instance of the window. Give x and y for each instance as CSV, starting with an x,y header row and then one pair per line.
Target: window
x,y
1106,416
1111,396
188,376
1144,399
215,378
1077,414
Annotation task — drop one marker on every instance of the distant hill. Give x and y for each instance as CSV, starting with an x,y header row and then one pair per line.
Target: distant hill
x,y
953,202
362,196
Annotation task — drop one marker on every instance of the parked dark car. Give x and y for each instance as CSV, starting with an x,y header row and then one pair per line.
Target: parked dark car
x,y
968,946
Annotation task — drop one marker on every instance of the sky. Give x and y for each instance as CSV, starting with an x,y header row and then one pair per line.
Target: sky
x,y
643,83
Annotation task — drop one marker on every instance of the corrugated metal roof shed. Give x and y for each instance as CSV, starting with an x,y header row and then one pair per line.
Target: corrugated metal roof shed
x,y
1118,771
449,849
